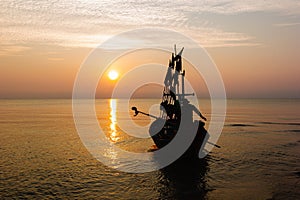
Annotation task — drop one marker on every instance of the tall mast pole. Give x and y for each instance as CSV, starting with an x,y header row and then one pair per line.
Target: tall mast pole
x,y
182,82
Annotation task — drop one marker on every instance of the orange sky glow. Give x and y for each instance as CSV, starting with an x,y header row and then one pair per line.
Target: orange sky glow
x,y
254,45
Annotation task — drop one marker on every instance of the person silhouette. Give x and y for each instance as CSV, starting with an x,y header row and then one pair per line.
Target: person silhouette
x,y
169,75
175,81
187,112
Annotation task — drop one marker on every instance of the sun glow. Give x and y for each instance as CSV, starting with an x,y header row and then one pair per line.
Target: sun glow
x,y
113,75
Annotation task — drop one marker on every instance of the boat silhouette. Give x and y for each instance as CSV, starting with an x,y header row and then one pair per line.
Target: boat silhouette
x,y
176,113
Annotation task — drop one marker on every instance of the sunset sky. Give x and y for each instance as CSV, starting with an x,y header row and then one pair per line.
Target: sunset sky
x,y
255,44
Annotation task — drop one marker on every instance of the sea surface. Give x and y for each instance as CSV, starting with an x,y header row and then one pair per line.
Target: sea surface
x,y
42,156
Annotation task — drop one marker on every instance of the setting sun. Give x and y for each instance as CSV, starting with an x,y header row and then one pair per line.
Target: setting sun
x,y
113,75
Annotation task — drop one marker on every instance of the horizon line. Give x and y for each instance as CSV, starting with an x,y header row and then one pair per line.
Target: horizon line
x,y
68,98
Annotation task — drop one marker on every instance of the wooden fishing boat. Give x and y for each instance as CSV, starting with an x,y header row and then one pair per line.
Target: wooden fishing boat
x,y
176,112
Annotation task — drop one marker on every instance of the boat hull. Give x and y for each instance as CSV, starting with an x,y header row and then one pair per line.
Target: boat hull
x,y
169,131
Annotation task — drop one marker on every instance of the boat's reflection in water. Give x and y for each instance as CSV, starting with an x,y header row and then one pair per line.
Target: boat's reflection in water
x,y
185,180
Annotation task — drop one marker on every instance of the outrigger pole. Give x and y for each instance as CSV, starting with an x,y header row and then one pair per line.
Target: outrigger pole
x,y
137,112
213,144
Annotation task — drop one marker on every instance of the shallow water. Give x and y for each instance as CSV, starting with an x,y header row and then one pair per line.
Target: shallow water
x,y
42,156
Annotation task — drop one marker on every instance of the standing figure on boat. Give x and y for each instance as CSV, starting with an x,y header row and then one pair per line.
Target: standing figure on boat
x,y
187,112
169,75
175,85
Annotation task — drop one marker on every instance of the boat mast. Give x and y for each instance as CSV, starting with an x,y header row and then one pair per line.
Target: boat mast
x,y
182,82
171,94
181,72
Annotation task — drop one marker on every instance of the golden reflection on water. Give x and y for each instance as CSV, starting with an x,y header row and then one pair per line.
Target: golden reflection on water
x,y
114,137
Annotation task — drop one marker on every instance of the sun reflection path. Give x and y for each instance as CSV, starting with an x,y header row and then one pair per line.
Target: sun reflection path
x,y
113,121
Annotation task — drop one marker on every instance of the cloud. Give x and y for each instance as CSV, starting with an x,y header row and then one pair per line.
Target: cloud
x,y
10,49
287,24
88,23
247,6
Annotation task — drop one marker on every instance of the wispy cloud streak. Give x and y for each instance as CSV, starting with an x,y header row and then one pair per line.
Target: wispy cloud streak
x,y
87,23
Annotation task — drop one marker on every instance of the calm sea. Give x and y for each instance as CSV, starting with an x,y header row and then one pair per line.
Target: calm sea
x,y
42,156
